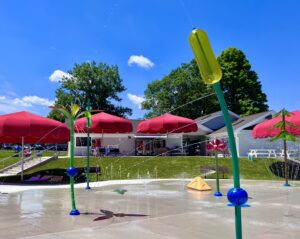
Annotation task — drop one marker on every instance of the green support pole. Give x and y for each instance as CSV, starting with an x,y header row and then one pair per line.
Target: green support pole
x,y
286,163
235,162
71,171
217,171
88,123
74,211
217,193
88,161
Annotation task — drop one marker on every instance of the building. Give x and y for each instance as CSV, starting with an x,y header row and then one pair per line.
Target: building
x,y
242,127
209,127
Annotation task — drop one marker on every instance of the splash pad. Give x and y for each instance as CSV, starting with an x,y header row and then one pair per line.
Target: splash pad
x,y
171,209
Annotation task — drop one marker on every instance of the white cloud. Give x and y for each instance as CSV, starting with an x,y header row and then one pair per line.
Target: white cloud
x,y
140,61
57,76
8,104
37,100
20,102
137,100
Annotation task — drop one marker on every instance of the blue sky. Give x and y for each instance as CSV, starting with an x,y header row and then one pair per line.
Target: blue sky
x,y
41,37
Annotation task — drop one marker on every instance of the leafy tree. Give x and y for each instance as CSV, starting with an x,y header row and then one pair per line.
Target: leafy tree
x,y
183,85
99,82
240,84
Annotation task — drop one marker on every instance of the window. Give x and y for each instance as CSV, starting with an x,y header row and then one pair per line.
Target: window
x,y
158,143
81,141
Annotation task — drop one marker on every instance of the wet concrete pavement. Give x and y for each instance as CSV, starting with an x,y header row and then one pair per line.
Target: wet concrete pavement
x,y
173,212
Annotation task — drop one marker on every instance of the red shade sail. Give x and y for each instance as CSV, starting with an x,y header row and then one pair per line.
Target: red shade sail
x,y
104,123
167,123
33,128
266,129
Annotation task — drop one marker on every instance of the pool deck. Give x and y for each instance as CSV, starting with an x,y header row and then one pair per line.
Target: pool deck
x,y
41,212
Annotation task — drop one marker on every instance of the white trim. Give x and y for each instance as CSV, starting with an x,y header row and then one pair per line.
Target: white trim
x,y
151,136
237,142
100,135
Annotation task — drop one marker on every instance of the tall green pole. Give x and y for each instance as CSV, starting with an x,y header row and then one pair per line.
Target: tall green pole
x,y
233,151
217,172
286,165
88,124
211,74
234,157
72,171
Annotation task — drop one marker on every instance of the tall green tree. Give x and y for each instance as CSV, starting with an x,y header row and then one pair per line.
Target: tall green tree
x,y
243,90
101,83
182,85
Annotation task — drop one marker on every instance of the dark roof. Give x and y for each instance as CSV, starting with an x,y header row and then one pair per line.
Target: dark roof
x,y
207,116
215,121
217,113
242,121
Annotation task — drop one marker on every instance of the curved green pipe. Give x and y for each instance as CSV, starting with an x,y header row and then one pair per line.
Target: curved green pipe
x,y
234,157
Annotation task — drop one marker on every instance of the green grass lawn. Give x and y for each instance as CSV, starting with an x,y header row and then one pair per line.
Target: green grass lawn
x,y
7,157
114,168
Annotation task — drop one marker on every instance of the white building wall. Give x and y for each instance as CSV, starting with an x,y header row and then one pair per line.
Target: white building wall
x,y
246,142
174,141
125,143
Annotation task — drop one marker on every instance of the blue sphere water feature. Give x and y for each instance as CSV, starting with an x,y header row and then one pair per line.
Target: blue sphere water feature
x,y
72,172
237,196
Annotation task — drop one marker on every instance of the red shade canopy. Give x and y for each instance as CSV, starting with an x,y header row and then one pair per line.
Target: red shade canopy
x,y
34,129
266,129
104,123
167,123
